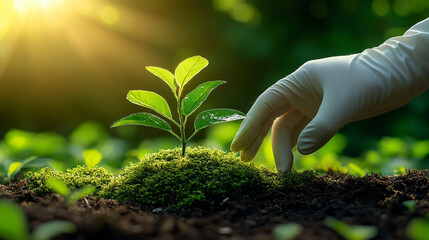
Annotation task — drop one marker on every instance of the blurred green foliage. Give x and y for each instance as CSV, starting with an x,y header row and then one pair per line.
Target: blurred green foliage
x,y
77,178
14,226
387,156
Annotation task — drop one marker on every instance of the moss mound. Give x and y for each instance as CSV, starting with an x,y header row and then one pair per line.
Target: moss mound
x,y
75,178
204,175
165,179
298,178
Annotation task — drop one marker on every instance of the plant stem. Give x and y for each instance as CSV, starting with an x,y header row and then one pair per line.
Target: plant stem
x,y
182,124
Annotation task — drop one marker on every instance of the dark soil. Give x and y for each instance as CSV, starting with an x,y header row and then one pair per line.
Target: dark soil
x,y
371,200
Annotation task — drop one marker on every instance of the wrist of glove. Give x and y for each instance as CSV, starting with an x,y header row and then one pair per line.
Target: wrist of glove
x,y
310,105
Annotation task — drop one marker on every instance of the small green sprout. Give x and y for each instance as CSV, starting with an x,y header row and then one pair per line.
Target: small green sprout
x,y
418,229
70,196
357,232
13,225
287,231
16,167
92,157
184,72
410,204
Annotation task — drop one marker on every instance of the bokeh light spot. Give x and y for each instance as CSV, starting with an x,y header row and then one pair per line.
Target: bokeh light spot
x,y
21,7
403,7
393,32
380,7
109,15
244,13
239,10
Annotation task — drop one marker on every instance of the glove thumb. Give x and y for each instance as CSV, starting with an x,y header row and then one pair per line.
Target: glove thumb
x,y
328,120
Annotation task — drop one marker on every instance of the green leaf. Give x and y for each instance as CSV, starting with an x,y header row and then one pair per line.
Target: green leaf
x,y
13,223
150,100
165,75
215,116
195,98
16,167
287,231
418,229
58,186
49,230
143,119
80,193
188,68
410,204
356,232
13,169
91,157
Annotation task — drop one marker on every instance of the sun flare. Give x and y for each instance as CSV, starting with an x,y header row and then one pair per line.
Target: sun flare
x,y
22,7
53,44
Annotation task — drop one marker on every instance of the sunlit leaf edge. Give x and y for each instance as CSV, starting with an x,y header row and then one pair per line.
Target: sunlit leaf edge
x,y
202,97
133,99
118,123
163,74
200,60
239,116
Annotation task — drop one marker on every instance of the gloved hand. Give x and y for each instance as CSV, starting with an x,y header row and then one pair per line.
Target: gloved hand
x,y
310,105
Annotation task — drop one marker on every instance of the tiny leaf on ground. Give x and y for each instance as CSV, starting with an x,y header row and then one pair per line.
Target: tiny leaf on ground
x,y
188,68
418,229
287,231
80,193
49,230
58,186
215,116
150,100
356,232
410,204
195,98
13,169
143,119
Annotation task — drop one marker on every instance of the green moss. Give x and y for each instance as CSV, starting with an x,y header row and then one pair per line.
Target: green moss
x,y
201,177
300,177
165,179
75,178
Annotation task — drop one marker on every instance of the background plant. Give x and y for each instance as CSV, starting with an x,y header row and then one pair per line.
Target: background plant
x,y
351,232
13,225
70,196
184,72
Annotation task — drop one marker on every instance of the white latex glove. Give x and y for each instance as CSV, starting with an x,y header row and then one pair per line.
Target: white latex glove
x,y
310,105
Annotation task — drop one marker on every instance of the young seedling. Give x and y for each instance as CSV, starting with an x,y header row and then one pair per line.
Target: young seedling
x,y
16,167
418,229
92,157
13,225
287,231
410,204
184,72
357,232
71,197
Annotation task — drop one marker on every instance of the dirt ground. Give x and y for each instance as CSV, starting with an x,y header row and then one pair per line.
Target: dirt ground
x,y
371,200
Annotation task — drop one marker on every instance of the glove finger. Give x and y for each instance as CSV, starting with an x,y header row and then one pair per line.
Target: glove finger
x,y
249,152
330,117
281,138
298,129
269,102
